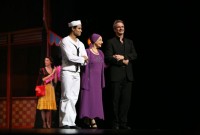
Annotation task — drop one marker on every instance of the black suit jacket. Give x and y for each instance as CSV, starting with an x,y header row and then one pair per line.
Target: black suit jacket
x,y
117,67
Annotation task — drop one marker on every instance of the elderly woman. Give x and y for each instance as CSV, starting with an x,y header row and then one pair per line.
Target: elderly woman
x,y
92,83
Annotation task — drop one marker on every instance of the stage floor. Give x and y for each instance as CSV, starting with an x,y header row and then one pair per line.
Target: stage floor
x,y
88,131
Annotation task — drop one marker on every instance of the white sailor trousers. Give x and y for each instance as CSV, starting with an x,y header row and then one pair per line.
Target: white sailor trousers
x,y
70,88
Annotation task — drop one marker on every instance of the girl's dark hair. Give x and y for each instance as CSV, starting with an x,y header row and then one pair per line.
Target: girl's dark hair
x,y
51,59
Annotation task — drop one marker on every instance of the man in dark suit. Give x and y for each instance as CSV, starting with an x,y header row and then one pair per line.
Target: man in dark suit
x,y
119,55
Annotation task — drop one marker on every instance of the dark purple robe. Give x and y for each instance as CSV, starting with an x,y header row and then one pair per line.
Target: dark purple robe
x,y
92,84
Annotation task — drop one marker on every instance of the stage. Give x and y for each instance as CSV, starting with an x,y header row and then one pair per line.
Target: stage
x,y
87,131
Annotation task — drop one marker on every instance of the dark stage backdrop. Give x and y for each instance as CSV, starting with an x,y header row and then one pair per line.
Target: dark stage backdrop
x,y
145,24
165,35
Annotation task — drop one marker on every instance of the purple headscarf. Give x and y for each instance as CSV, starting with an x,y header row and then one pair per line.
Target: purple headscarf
x,y
93,38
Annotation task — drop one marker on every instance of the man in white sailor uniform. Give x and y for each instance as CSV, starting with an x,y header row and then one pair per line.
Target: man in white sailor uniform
x,y
73,56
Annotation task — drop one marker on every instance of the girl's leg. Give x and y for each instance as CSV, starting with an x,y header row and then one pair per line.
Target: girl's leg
x,y
48,117
43,118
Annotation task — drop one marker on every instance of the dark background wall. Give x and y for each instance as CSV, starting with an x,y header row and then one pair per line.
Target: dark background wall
x,y
145,24
166,37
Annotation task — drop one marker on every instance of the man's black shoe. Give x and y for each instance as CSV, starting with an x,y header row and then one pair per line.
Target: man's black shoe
x,y
115,127
125,127
75,127
65,127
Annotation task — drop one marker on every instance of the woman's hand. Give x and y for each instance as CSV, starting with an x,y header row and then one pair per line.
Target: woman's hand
x,y
54,70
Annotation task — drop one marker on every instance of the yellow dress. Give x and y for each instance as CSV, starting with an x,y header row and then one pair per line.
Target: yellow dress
x,y
47,102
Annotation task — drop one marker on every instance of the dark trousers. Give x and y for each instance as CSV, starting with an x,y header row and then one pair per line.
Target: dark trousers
x,y
121,99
